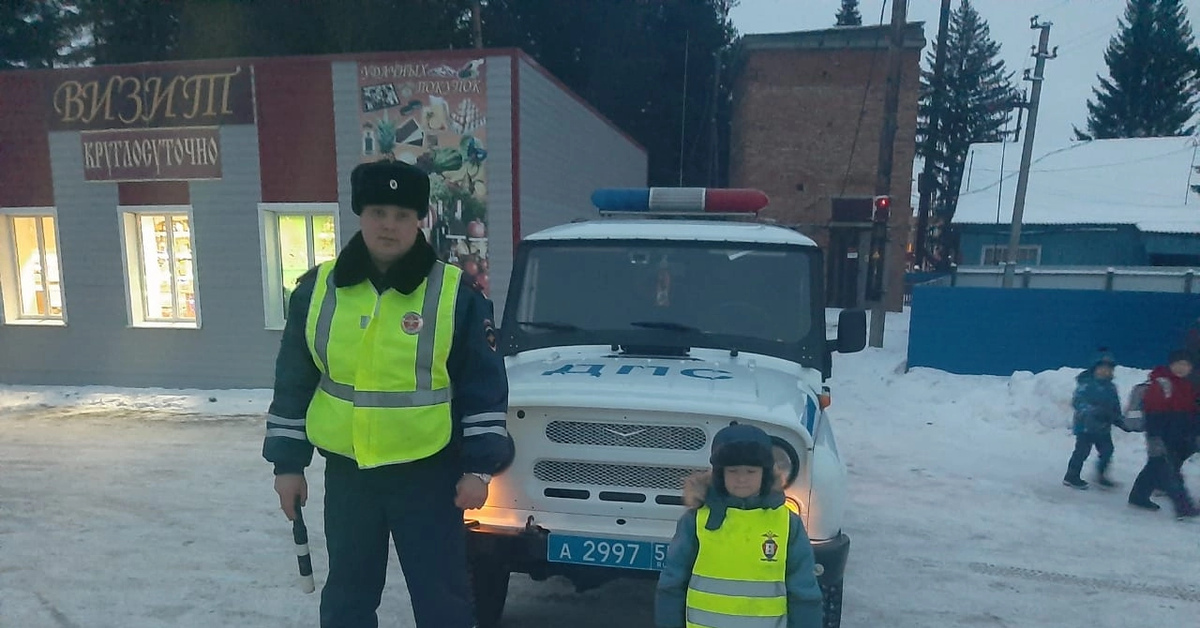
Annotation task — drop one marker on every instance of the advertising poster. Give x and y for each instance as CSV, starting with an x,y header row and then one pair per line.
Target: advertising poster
x,y
433,114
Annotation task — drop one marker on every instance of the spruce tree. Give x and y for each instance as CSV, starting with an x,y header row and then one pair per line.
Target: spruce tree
x,y
36,33
848,15
977,101
129,31
1152,88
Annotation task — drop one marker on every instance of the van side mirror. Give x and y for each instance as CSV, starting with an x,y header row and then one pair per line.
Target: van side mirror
x,y
852,331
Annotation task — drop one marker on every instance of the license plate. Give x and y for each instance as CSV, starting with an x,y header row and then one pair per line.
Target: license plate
x,y
587,550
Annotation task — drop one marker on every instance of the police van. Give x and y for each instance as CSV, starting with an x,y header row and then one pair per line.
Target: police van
x,y
630,340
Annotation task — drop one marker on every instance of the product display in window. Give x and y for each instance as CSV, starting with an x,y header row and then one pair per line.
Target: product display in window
x,y
37,263
305,240
168,275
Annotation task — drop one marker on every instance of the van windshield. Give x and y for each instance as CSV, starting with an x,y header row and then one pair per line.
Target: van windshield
x,y
713,294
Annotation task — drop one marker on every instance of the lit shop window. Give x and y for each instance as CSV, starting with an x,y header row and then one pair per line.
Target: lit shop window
x,y
30,273
296,237
160,269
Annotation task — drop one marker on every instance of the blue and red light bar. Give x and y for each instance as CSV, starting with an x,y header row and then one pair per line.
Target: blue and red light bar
x,y
701,200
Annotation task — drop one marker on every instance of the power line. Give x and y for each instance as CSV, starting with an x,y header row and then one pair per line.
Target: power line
x,y
1073,146
862,107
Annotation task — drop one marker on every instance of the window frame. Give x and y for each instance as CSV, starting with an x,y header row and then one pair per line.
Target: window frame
x,y
10,272
274,316
134,265
1000,251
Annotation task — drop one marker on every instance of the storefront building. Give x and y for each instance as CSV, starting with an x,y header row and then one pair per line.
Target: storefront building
x,y
154,217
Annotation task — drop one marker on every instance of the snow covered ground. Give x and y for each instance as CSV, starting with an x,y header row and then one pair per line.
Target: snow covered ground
x,y
134,509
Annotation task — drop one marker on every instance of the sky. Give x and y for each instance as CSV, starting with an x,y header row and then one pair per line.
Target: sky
x,y
1081,29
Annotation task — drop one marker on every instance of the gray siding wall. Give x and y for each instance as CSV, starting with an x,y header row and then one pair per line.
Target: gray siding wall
x,y
499,179
97,347
567,152
349,141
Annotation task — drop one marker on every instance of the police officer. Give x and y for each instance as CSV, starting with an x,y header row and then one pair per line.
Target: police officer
x,y
388,366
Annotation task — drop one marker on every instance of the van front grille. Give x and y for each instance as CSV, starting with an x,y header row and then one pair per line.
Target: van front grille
x,y
674,437
622,475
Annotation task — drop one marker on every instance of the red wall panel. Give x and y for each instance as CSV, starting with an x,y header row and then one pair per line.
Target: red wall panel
x,y
296,138
25,177
154,193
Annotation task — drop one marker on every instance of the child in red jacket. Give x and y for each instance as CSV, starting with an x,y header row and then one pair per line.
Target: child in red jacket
x,y
1169,407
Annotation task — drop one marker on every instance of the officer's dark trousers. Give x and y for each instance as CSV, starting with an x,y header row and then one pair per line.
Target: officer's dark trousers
x,y
1083,446
414,504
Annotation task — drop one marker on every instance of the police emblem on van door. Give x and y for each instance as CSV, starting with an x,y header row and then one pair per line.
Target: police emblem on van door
x,y
769,547
412,323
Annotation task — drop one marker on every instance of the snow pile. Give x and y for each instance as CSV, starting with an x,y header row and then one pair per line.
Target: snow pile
x,y
206,402
1026,402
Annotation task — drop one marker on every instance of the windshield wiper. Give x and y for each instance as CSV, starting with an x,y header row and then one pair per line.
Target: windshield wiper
x,y
550,325
667,325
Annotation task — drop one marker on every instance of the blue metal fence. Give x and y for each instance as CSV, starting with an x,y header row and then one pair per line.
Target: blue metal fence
x,y
990,331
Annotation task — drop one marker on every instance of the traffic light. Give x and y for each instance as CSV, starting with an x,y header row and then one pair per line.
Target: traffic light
x,y
881,207
880,212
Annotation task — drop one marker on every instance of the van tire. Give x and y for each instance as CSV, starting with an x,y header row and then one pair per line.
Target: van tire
x,y
832,594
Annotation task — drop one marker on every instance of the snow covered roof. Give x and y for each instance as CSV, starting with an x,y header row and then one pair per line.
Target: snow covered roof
x,y
648,229
1142,182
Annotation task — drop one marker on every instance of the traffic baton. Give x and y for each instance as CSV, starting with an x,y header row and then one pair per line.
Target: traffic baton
x,y
300,535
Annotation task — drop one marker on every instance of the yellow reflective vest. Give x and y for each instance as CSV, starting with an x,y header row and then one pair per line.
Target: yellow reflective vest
x,y
384,394
739,579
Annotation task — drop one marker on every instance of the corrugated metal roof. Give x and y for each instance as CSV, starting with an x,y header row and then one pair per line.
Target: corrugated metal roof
x,y
1143,182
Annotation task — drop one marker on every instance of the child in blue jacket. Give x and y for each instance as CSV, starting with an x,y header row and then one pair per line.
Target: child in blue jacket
x,y
1097,408
742,553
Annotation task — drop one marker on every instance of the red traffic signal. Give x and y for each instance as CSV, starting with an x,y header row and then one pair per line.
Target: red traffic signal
x,y
881,208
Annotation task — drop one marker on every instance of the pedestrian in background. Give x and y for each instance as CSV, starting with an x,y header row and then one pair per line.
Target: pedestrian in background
x,y
1169,406
1097,408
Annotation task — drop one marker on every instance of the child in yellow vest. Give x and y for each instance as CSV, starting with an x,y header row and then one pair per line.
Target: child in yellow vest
x,y
742,555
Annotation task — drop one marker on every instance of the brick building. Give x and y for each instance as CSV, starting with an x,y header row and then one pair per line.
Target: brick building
x,y
807,117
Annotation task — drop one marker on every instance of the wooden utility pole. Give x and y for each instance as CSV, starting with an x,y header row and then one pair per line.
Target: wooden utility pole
x,y
477,23
925,183
883,179
714,164
1014,241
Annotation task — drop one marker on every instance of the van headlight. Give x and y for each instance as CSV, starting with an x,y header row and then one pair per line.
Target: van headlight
x,y
787,462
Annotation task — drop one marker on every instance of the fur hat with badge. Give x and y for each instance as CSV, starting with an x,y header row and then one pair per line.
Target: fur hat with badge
x,y
389,183
743,445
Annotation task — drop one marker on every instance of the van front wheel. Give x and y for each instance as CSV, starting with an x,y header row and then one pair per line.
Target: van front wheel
x,y
832,593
